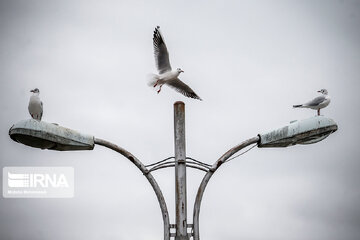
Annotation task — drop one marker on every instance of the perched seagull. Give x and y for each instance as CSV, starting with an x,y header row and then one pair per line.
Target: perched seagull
x,y
35,105
317,103
166,75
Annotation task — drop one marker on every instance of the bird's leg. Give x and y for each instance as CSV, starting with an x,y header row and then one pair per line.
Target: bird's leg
x,y
156,83
159,89
319,112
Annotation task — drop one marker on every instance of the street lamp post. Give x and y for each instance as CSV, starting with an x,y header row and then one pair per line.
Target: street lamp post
x,y
180,172
50,136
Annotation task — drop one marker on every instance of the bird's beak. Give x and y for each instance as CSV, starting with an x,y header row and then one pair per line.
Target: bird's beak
x,y
319,91
181,70
32,91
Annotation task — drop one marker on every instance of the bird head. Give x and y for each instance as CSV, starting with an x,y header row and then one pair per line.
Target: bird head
x,y
36,90
179,70
323,91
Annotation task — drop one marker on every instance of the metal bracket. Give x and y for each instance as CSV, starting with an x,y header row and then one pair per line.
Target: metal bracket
x,y
181,161
189,226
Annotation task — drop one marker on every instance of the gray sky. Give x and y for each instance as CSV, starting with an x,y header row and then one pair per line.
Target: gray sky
x,y
249,60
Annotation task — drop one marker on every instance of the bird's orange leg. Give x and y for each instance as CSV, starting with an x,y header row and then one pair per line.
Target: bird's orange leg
x,y
319,112
156,83
159,89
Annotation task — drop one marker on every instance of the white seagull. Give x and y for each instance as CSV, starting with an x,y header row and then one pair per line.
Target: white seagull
x,y
317,103
166,75
35,105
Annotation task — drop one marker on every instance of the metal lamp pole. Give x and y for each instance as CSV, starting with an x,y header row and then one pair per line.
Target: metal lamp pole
x,y
180,172
181,225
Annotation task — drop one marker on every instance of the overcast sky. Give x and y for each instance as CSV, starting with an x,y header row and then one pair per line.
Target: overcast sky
x,y
250,61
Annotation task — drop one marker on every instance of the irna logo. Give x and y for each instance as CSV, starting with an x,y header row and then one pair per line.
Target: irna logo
x,y
38,182
33,180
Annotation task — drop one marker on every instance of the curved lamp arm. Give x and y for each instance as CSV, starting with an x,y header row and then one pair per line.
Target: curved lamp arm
x,y
209,174
149,177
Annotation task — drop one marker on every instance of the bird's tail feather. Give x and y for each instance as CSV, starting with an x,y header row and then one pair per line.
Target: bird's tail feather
x,y
297,106
152,79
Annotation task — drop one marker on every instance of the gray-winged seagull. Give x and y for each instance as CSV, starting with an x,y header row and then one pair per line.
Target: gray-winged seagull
x,y
166,75
35,105
317,103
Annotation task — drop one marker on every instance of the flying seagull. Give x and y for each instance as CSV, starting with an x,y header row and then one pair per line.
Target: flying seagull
x,y
166,74
317,103
35,105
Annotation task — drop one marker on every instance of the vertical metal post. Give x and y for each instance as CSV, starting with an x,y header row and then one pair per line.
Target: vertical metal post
x,y
180,172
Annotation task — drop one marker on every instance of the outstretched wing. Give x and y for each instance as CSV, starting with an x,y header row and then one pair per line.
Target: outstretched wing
x,y
160,52
316,101
182,88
